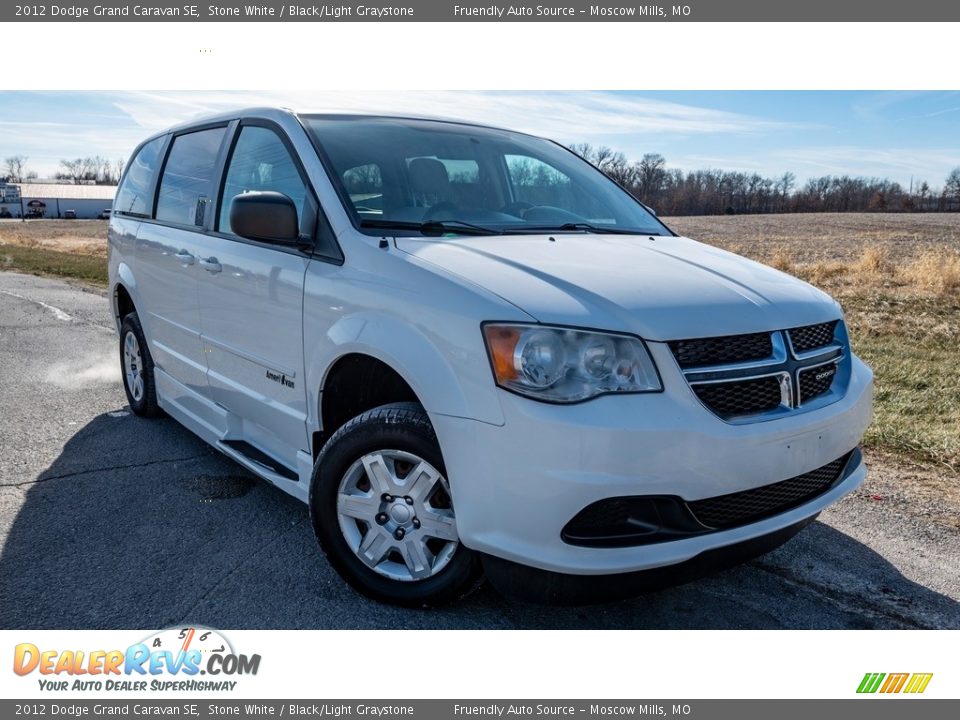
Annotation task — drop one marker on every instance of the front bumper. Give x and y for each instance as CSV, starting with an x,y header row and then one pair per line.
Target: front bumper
x,y
515,486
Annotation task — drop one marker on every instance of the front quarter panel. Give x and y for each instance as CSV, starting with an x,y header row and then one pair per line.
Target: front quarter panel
x,y
422,324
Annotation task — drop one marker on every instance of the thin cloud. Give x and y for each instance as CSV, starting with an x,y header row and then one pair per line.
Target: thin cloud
x,y
937,113
574,114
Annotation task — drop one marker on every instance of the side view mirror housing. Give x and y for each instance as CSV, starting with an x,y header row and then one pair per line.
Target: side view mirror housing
x,y
265,216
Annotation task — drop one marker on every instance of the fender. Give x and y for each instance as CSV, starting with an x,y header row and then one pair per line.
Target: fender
x,y
126,278
408,350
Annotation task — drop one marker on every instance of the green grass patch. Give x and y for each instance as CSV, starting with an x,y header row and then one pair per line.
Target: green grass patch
x,y
912,347
40,261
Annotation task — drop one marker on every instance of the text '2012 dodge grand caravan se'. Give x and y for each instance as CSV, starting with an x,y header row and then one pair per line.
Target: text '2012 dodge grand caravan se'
x,y
468,350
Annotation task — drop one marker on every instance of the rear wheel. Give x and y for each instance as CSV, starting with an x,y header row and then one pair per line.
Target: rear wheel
x,y
137,368
383,513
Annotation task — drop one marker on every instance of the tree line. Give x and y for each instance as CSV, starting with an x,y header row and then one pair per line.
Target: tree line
x,y
94,170
672,191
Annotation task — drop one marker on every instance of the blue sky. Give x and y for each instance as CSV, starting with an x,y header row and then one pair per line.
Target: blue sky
x,y
898,135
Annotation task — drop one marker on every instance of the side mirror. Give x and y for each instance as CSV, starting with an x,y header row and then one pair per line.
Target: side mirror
x,y
265,216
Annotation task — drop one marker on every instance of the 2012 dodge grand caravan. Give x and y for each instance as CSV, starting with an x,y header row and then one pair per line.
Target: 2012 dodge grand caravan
x,y
469,351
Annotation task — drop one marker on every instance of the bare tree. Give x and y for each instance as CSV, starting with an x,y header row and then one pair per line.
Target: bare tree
x,y
73,170
91,168
584,150
15,166
923,189
952,187
785,186
651,173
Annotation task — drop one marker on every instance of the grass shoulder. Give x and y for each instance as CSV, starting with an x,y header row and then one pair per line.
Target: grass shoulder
x,y
41,261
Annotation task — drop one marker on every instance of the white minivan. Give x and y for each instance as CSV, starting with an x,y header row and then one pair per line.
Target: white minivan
x,y
473,354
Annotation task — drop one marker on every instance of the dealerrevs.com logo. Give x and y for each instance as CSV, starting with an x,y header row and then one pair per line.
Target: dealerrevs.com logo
x,y
172,659
890,683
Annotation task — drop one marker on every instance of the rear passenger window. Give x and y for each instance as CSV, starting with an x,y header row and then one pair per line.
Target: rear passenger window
x,y
187,183
260,162
133,195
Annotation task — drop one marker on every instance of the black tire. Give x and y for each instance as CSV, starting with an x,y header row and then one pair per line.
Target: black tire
x,y
146,405
398,426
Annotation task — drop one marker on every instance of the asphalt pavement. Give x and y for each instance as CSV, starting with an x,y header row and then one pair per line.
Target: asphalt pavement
x,y
111,521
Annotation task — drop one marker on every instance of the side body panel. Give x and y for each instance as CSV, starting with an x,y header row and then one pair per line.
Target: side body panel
x,y
166,273
252,339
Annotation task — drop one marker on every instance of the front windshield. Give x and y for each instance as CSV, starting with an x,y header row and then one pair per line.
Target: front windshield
x,y
416,176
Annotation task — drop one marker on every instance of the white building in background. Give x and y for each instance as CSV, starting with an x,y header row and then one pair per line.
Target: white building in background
x,y
53,200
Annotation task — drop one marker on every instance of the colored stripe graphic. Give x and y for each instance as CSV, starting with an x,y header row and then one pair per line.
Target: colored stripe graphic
x,y
918,682
870,682
894,683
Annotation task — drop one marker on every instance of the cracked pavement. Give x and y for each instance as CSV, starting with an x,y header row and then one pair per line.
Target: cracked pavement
x,y
111,521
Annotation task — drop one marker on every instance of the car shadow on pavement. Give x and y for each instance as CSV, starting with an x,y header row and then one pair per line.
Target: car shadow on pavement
x,y
139,524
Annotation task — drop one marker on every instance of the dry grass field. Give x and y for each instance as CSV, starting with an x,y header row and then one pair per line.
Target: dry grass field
x,y
86,237
67,248
896,275
825,237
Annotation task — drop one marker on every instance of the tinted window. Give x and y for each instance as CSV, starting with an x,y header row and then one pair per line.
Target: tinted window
x,y
187,183
260,161
403,172
133,194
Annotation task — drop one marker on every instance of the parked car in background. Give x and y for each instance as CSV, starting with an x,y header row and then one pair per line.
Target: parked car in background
x,y
469,351
69,214
104,214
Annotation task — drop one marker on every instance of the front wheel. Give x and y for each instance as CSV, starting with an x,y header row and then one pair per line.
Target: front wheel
x,y
383,513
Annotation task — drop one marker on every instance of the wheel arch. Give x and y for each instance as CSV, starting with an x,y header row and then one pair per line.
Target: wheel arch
x,y
433,375
124,298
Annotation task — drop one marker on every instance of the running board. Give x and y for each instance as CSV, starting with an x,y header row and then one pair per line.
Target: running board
x,y
257,461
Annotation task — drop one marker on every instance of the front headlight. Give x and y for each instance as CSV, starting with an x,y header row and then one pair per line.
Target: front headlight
x,y
564,365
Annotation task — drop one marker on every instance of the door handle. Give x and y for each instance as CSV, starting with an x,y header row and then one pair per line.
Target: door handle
x,y
210,264
184,257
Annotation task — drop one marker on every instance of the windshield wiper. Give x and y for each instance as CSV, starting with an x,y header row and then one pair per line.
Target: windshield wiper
x,y
583,226
432,227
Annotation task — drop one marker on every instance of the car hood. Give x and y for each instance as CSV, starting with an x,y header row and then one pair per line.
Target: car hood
x,y
661,288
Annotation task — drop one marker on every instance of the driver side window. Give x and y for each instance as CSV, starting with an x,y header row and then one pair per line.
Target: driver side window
x,y
260,162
